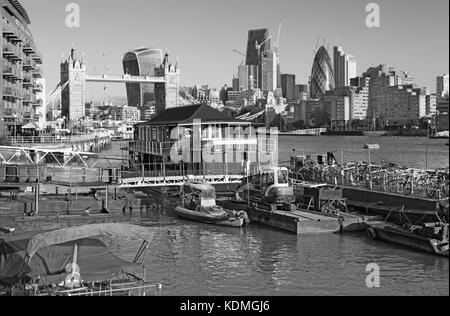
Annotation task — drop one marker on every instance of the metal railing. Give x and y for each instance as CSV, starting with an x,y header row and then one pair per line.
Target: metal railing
x,y
56,139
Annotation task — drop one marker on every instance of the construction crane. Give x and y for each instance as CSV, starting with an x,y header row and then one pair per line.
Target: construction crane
x,y
259,46
239,53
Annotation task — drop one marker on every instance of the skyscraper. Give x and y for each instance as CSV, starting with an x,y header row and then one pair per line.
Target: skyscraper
x,y
322,78
142,62
288,86
344,67
243,75
254,56
270,71
442,86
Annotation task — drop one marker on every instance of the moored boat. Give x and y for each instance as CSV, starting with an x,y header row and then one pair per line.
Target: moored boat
x,y
198,203
431,237
73,262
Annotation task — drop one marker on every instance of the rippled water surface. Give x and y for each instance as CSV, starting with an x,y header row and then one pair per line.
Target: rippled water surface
x,y
195,259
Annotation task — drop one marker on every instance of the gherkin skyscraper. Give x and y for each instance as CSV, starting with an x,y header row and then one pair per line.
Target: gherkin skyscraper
x,y
322,77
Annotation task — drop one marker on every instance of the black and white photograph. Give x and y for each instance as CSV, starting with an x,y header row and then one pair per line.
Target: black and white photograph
x,y
224,153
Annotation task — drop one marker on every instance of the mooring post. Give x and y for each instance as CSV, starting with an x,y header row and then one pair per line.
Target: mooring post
x,y
36,199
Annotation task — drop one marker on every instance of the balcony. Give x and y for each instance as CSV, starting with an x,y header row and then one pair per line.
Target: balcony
x,y
29,64
12,32
29,49
11,51
38,73
37,88
38,58
29,98
38,103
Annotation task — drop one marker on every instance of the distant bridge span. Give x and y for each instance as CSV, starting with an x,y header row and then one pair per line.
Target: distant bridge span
x,y
124,79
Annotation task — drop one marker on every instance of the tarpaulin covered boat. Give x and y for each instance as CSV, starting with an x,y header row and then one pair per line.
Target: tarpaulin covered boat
x,y
50,263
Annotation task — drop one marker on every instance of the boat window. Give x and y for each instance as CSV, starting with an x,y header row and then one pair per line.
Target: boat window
x,y
283,177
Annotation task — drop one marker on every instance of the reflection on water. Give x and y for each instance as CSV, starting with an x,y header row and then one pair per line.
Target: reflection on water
x,y
195,259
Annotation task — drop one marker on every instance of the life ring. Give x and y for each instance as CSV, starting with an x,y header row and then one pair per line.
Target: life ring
x,y
372,233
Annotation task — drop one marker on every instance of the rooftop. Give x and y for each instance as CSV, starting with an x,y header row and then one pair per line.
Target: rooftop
x,y
187,115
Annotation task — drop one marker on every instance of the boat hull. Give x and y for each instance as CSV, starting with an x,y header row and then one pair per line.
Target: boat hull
x,y
406,239
209,219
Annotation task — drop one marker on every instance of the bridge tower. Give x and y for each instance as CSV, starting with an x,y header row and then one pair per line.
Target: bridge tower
x,y
73,96
167,94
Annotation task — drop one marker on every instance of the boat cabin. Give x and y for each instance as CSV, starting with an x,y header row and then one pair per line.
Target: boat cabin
x,y
198,195
272,185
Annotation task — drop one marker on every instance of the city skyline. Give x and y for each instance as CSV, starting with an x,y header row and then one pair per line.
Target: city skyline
x,y
206,43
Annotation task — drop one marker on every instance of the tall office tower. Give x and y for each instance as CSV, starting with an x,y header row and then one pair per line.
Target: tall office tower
x,y
236,84
322,77
142,62
254,55
73,95
288,87
19,69
243,75
442,87
344,67
270,71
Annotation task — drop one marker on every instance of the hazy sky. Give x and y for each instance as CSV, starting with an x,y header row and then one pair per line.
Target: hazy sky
x,y
414,35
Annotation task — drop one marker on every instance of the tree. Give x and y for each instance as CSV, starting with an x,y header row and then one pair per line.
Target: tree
x,y
321,118
299,125
4,141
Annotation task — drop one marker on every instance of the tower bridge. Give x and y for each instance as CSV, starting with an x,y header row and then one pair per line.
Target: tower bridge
x,y
74,76
124,79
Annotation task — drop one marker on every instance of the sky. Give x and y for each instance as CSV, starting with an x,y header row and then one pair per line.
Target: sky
x,y
201,35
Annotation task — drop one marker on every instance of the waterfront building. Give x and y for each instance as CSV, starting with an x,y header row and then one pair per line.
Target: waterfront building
x,y
442,118
344,67
288,87
19,69
126,113
73,96
142,62
393,96
189,136
41,102
147,113
442,86
322,77
360,100
307,111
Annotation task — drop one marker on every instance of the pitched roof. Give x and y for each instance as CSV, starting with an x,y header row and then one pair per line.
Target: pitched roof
x,y
187,115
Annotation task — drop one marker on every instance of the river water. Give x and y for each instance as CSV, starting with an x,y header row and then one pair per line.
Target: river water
x,y
196,259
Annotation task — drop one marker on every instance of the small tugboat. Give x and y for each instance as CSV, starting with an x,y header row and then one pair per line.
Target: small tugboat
x,y
198,203
73,262
431,237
